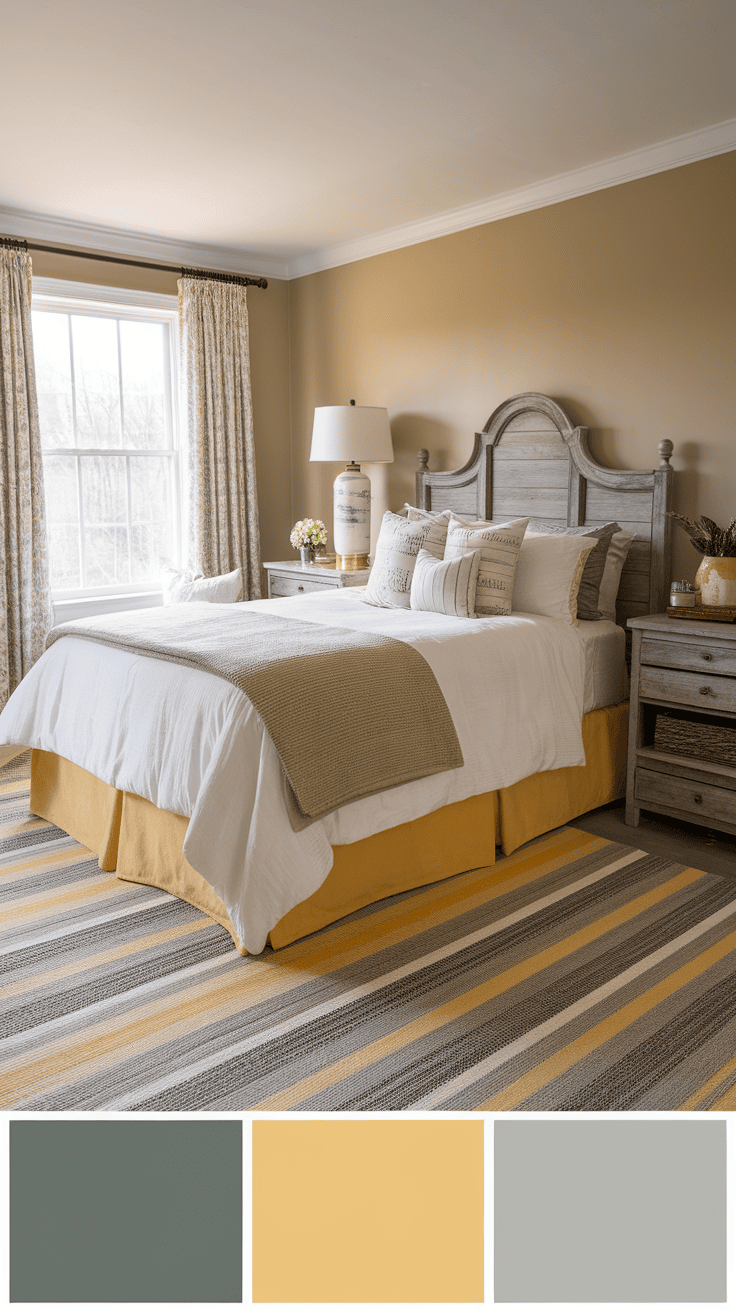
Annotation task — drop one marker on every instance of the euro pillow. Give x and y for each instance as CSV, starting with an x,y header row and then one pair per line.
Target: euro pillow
x,y
499,546
548,575
590,583
446,587
399,543
615,561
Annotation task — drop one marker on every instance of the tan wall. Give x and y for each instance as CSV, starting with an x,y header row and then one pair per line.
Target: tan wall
x,y
269,352
620,304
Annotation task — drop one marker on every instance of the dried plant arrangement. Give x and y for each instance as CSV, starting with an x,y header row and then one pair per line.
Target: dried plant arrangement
x,y
706,536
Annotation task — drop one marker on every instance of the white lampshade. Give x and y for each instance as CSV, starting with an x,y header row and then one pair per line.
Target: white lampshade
x,y
352,432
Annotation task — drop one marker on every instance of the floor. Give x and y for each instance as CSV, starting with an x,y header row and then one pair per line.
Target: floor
x,y
692,845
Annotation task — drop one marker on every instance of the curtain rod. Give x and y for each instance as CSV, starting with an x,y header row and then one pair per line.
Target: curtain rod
x,y
18,243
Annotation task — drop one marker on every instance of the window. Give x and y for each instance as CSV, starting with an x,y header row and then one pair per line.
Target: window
x,y
106,382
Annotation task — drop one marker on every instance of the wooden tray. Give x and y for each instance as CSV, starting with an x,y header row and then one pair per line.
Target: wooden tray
x,y
722,614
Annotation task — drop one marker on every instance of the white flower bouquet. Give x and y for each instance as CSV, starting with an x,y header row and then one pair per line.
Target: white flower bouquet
x,y
308,533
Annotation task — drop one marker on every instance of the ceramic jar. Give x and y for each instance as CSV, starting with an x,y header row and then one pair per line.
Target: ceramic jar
x,y
716,579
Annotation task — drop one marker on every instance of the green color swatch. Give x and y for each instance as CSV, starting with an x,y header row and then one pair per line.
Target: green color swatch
x,y
125,1211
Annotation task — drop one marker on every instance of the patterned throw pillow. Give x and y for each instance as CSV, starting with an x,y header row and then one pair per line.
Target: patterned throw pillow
x,y
590,584
499,546
399,543
446,587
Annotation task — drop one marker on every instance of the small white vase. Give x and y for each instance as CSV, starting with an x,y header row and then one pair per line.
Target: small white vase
x,y
716,579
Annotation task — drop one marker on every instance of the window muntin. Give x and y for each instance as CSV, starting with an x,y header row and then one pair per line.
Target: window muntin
x,y
106,392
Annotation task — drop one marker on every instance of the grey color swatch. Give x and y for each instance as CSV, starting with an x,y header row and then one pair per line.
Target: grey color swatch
x,y
126,1211
627,1211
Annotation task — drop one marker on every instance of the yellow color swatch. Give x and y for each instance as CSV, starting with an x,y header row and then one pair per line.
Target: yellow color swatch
x,y
368,1211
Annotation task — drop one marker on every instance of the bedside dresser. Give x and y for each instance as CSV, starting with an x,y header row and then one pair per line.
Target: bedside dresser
x,y
688,666
287,578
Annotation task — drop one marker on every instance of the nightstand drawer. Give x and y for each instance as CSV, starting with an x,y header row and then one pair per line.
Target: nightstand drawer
x,y
706,691
704,802
688,655
285,585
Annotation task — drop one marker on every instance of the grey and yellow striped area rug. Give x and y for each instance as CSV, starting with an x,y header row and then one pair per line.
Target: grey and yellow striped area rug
x,y
577,974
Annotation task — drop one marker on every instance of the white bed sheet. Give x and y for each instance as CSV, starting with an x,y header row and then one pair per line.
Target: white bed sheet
x,y
192,743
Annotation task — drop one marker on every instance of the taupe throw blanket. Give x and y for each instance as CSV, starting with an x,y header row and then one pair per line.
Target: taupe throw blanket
x,y
349,713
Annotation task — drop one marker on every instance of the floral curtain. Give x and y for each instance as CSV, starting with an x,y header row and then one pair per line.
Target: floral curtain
x,y
25,615
223,505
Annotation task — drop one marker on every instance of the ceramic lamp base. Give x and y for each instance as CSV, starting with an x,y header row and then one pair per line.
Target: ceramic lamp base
x,y
352,515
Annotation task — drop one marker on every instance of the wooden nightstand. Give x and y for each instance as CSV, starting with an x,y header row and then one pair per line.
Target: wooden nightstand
x,y
688,666
287,578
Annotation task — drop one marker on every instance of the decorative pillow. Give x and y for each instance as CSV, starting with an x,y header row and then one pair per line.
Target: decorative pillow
x,y
413,514
499,545
399,543
615,561
590,583
446,587
178,585
548,575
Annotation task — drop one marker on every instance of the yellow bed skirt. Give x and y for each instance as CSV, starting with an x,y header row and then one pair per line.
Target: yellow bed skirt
x,y
144,844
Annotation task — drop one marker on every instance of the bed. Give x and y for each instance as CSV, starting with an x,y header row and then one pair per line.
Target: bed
x,y
139,760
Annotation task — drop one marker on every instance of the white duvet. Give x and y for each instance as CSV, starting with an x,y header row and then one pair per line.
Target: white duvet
x,y
193,744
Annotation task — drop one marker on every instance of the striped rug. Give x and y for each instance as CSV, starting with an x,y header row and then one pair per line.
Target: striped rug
x,y
577,974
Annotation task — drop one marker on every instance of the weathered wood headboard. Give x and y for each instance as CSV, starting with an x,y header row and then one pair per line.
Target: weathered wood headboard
x,y
532,460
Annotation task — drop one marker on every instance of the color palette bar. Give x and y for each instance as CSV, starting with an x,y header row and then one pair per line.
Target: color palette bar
x,y
374,1210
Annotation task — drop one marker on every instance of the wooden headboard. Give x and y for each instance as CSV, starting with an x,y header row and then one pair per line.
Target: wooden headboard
x,y
531,460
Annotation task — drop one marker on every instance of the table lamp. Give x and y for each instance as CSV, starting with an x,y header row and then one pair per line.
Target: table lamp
x,y
356,434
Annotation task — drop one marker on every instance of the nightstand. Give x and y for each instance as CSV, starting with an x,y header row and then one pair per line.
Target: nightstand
x,y
687,669
288,578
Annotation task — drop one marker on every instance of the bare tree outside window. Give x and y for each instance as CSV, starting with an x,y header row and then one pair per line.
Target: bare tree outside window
x,y
105,409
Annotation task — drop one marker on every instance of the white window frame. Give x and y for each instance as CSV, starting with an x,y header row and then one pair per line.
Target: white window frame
x,y
64,297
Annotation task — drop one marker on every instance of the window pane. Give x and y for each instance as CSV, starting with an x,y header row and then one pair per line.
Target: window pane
x,y
105,518
97,381
152,516
53,378
105,555
62,517
142,354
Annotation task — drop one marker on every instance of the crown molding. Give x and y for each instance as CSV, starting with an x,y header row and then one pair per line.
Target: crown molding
x,y
670,154
137,245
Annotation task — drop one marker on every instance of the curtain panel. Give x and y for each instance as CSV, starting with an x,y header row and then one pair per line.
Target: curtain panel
x,y
223,504
26,614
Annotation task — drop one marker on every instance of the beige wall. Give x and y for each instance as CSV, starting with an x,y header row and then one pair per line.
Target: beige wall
x,y
269,352
620,304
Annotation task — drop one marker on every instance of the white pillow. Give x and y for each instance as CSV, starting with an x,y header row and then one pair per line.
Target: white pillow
x,y
413,513
499,545
446,587
548,575
178,585
618,550
399,543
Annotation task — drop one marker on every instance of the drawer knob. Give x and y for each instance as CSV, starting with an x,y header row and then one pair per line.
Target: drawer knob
x,y
301,589
707,655
704,691
698,797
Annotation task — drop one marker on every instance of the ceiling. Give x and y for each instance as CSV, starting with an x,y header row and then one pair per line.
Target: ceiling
x,y
301,133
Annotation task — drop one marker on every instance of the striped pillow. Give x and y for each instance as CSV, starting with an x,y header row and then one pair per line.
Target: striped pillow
x,y
446,587
499,545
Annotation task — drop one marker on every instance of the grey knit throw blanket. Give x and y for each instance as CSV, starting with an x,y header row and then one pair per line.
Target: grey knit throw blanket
x,y
350,714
